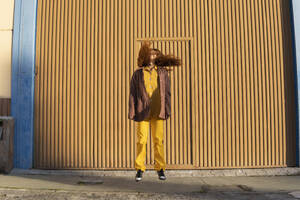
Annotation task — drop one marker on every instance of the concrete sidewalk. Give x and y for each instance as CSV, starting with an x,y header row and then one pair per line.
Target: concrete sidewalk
x,y
28,185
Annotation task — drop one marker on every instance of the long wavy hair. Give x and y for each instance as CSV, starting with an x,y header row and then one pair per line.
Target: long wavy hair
x,y
161,60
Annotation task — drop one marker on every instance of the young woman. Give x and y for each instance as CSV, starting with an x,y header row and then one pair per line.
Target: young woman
x,y
150,104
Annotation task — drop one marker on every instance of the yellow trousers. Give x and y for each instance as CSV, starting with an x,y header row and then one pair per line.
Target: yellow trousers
x,y
157,131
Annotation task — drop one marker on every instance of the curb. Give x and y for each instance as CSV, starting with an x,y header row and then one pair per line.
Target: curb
x,y
285,171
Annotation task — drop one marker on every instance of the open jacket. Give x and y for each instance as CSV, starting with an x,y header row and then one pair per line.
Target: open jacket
x,y
139,100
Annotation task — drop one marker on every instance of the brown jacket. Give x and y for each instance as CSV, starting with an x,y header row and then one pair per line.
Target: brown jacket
x,y
139,101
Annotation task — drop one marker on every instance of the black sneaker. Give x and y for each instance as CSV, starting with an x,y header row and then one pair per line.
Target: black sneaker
x,y
139,175
161,175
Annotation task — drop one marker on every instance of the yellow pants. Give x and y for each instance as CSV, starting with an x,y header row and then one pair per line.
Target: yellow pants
x,y
157,131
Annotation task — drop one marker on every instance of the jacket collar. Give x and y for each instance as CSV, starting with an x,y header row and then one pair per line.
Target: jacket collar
x,y
147,68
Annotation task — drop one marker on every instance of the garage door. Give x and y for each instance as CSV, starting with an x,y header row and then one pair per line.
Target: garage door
x,y
232,100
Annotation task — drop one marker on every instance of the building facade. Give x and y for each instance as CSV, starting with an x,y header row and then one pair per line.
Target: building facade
x,y
234,100
6,27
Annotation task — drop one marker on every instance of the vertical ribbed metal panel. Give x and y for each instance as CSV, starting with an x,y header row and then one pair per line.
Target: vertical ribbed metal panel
x,y
229,99
84,63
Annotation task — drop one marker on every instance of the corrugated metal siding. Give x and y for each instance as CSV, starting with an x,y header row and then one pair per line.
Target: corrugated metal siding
x,y
228,101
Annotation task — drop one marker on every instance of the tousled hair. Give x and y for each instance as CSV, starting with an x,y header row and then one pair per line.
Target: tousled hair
x,y
161,60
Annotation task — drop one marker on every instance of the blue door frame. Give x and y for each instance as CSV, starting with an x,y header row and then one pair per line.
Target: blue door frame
x,y
23,65
22,95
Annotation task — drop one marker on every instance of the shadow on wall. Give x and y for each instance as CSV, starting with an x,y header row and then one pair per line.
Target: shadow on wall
x,y
289,84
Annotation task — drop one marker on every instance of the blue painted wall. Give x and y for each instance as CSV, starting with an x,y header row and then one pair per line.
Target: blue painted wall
x,y
23,62
296,30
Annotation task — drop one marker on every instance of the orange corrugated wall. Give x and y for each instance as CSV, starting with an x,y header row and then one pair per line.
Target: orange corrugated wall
x,y
228,99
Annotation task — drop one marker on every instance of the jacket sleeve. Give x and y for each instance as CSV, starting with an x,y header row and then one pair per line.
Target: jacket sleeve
x,y
168,81
132,98
168,94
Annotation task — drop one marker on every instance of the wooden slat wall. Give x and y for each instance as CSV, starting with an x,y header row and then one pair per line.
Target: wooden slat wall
x,y
228,101
5,106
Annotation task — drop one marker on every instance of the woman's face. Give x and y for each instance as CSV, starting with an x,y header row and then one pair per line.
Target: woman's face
x,y
153,55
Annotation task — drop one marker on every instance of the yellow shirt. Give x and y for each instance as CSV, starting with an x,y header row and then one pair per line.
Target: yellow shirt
x,y
152,88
